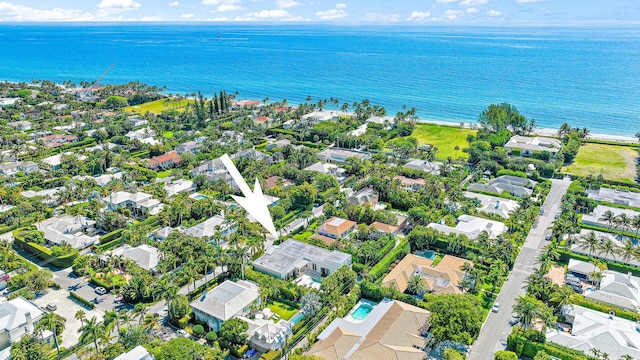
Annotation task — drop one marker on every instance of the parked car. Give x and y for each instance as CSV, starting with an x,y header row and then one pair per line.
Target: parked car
x,y
100,290
541,211
496,307
577,289
51,307
182,332
548,234
514,320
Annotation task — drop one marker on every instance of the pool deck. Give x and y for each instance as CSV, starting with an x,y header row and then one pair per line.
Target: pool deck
x,y
349,316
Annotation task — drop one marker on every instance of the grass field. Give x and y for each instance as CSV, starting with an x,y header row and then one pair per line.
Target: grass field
x,y
445,138
285,311
163,174
158,106
614,162
167,134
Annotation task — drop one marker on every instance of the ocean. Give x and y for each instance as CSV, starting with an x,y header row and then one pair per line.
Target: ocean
x,y
588,77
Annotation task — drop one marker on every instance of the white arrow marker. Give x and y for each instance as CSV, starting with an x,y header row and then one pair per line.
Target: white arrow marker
x,y
253,201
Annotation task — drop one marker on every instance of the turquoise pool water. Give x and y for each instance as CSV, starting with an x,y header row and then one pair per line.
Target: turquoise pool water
x,y
200,197
296,318
429,254
362,311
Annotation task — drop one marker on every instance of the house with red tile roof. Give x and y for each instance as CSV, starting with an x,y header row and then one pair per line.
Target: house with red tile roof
x,y
337,227
164,161
262,119
382,228
56,140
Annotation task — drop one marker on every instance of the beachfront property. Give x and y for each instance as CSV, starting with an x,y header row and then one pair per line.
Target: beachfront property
x,y
138,203
17,318
56,140
265,334
225,301
179,186
292,258
21,125
512,185
409,184
337,227
318,116
389,331
216,224
340,155
164,161
615,196
329,169
595,218
532,145
423,165
364,196
214,170
262,120
75,231
145,256
494,205
471,227
444,278
385,121
592,329
137,353
12,168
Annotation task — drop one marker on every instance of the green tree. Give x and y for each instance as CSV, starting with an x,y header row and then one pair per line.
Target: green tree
x,y
232,333
452,354
505,355
416,285
90,331
29,348
456,317
116,102
54,323
529,309
541,355
38,280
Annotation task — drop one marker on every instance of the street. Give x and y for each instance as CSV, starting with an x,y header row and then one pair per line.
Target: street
x,y
496,328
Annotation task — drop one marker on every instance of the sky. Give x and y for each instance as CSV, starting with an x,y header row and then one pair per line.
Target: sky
x,y
475,12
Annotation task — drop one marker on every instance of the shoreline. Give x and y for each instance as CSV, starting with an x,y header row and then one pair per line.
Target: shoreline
x,y
540,131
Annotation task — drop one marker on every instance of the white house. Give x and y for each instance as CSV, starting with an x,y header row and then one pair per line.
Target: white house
x,y
595,217
145,256
529,145
211,226
145,136
138,203
12,168
340,155
214,170
424,165
137,353
471,227
19,317
293,257
179,186
333,170
494,205
224,302
265,334
101,180
76,231
617,289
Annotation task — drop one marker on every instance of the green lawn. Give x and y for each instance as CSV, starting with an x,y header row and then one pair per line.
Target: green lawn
x,y
613,162
158,106
167,134
163,174
285,311
303,236
445,138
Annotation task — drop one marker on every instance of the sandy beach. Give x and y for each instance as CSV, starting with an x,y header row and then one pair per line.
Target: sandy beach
x,y
539,131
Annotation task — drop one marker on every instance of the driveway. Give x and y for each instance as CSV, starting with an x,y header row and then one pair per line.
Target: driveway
x,y
496,328
67,308
70,282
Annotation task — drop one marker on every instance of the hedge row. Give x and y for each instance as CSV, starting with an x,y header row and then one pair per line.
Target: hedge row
x,y
107,238
82,300
271,355
239,352
524,347
42,252
398,253
111,245
603,307
614,266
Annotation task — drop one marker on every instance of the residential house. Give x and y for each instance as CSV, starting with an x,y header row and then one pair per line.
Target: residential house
x,y
162,234
493,205
216,224
444,278
56,140
8,102
581,269
105,146
513,185
136,121
330,169
75,231
12,168
231,137
164,161
385,121
530,145
138,203
617,289
615,196
409,184
578,248
253,154
288,125
275,180
319,116
245,103
55,161
145,136
382,228
21,125
19,317
48,197
31,114
145,256
214,170
102,180
225,301
277,144
471,227
265,334
71,126
292,257
390,331
179,186
596,217
592,329
337,227
340,155
364,196
188,147
262,120
360,130
424,165
137,353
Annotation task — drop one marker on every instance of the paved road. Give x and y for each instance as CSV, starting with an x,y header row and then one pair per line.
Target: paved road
x,y
496,328
69,282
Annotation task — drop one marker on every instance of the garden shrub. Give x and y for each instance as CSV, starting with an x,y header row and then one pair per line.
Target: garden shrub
x,y
82,300
198,330
505,355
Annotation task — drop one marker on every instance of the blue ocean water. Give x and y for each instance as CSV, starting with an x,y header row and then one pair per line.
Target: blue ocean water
x,y
589,77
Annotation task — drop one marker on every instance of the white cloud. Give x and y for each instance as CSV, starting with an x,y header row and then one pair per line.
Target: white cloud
x,y
453,14
187,16
151,18
220,2
472,11
419,15
174,3
341,6
494,13
336,13
222,18
472,2
227,7
264,14
119,4
13,12
379,17
283,4
445,1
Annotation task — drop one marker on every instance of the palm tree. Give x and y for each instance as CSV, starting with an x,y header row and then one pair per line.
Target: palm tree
x,y
416,285
635,224
54,323
80,315
89,331
150,323
590,241
562,296
140,310
527,309
595,277
608,247
608,217
624,221
628,251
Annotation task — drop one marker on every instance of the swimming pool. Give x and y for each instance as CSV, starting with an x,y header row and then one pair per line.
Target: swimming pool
x,y
429,254
297,317
200,197
361,312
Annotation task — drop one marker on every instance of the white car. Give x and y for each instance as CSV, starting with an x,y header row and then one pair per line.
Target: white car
x,y
100,290
496,307
182,332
